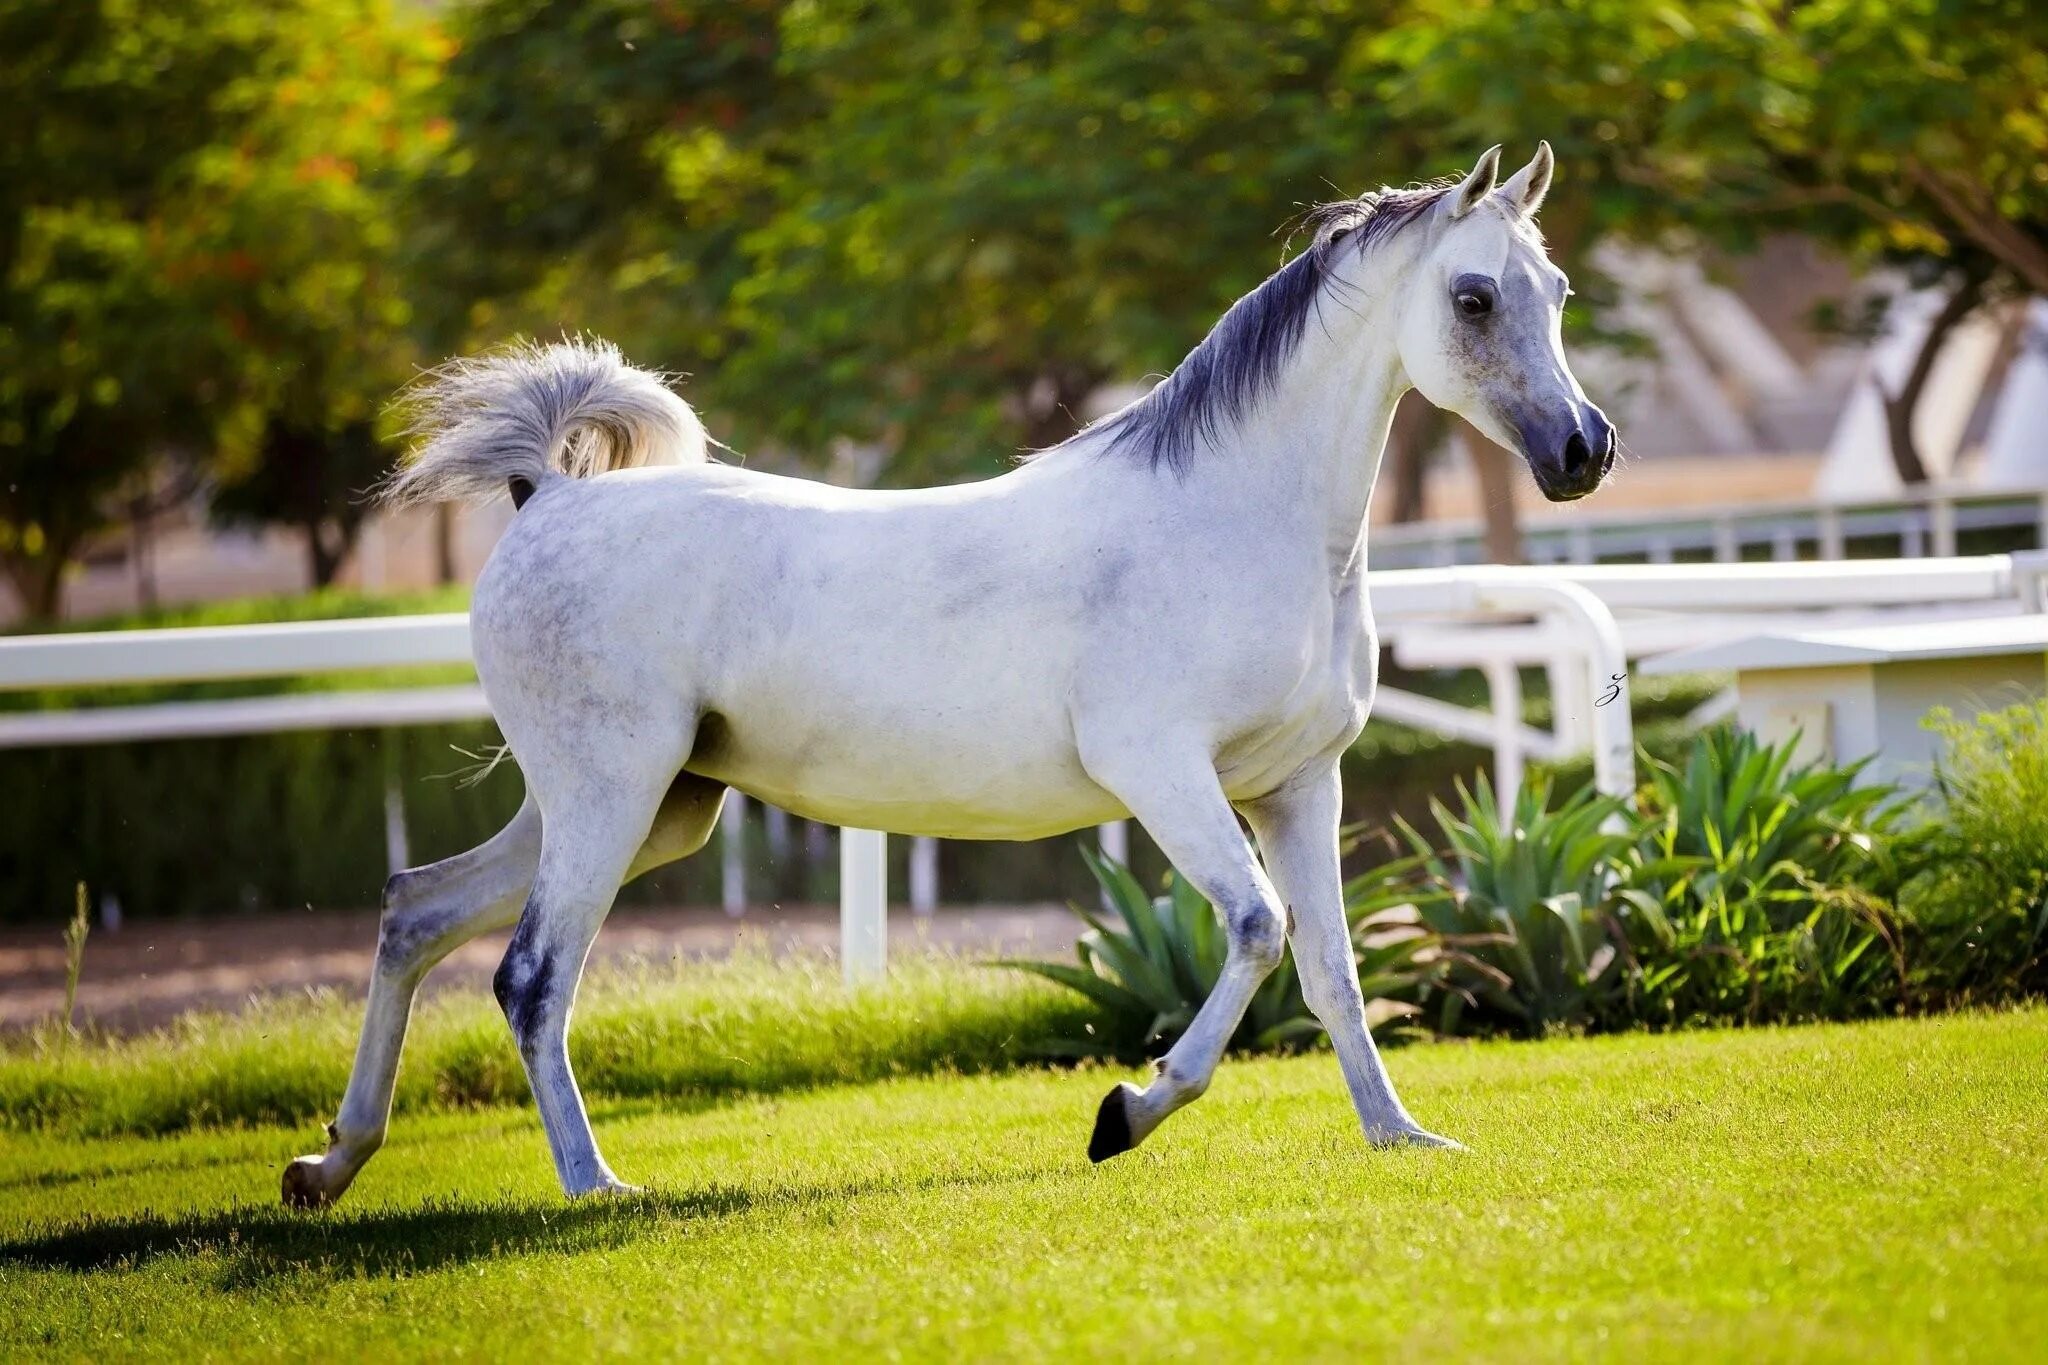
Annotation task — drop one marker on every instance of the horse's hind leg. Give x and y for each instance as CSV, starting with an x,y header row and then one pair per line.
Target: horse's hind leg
x,y
428,913
1182,806
587,848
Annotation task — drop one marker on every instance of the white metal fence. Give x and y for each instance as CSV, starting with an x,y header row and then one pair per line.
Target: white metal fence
x,y
1583,623
1918,523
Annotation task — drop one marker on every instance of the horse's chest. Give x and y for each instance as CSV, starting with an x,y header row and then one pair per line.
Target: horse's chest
x,y
1309,704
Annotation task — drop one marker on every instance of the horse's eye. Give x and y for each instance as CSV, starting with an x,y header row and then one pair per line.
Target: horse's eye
x,y
1474,304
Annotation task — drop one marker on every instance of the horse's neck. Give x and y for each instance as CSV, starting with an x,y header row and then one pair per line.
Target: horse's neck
x,y
1312,447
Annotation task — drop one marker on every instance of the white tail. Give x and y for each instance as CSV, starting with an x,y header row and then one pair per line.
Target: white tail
x,y
529,413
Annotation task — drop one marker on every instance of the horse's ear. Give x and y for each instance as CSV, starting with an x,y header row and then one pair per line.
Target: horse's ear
x,y
1525,188
1477,185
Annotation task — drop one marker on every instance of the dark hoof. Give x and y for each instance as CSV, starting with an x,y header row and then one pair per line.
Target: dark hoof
x,y
1112,1136
303,1188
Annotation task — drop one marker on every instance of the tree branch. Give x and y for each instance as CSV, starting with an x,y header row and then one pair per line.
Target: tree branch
x,y
1984,225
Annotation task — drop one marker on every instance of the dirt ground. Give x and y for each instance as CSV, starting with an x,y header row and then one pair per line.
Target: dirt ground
x,y
147,973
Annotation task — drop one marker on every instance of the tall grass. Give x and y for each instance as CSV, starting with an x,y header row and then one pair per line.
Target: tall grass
x,y
691,1032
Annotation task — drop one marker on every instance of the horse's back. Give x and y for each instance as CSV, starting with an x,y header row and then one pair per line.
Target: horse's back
x,y
903,659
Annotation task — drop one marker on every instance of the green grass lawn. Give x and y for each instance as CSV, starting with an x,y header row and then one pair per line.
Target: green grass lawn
x,y
1842,1193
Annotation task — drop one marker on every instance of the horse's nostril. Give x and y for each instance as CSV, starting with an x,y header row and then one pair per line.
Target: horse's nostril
x,y
1576,453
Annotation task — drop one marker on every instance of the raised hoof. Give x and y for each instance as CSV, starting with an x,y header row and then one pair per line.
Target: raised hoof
x,y
303,1187
1112,1135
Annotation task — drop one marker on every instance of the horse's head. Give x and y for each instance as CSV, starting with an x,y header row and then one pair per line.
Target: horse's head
x,y
1481,330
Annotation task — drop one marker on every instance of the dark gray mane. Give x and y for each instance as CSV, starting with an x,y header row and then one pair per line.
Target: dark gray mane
x,y
1240,359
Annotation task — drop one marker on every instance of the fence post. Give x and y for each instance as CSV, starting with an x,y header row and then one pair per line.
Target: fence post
x,y
1727,549
732,854
1944,511
1831,541
924,875
863,904
1504,684
1605,664
397,850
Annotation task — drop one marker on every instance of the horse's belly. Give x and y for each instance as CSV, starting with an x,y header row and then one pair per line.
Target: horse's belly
x,y
901,798
987,779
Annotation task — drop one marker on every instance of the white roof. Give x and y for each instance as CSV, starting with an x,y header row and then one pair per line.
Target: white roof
x,y
2027,634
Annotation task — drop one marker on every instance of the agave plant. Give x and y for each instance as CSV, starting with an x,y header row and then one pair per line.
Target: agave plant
x,y
1152,968
1761,888
1518,903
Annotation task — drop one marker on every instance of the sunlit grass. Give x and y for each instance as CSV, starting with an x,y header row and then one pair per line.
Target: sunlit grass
x,y
1864,1192
745,1024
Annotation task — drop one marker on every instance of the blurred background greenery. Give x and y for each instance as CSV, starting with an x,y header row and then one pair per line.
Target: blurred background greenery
x,y
229,230
896,241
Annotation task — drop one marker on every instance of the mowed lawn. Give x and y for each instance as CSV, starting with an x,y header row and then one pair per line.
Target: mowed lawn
x,y
1837,1193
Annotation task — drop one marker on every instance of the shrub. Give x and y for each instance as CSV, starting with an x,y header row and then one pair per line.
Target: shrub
x,y
1517,905
1977,906
1148,977
1760,889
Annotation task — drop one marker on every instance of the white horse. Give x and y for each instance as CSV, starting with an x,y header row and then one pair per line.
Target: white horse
x,y
1163,617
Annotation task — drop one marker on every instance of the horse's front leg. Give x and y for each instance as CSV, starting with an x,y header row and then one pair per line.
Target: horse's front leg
x,y
1297,830
1182,806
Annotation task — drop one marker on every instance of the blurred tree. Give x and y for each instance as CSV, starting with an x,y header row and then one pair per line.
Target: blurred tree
x,y
931,227
1018,201
1890,129
201,252
332,267
610,155
104,106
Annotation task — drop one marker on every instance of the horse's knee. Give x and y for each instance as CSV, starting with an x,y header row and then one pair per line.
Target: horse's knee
x,y
1258,934
403,931
419,924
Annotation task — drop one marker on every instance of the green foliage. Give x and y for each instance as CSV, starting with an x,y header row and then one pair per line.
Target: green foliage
x,y
306,238
1978,907
1517,905
1742,887
200,253
106,107
1761,889
1148,977
1881,127
680,1031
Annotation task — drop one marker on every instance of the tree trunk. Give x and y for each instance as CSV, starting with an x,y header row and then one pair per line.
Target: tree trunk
x,y
1976,216
39,582
1496,495
444,542
1050,405
321,561
1417,427
1899,407
142,549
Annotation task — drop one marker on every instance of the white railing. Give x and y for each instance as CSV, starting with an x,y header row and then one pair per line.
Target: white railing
x,y
1653,609
1921,522
1582,622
